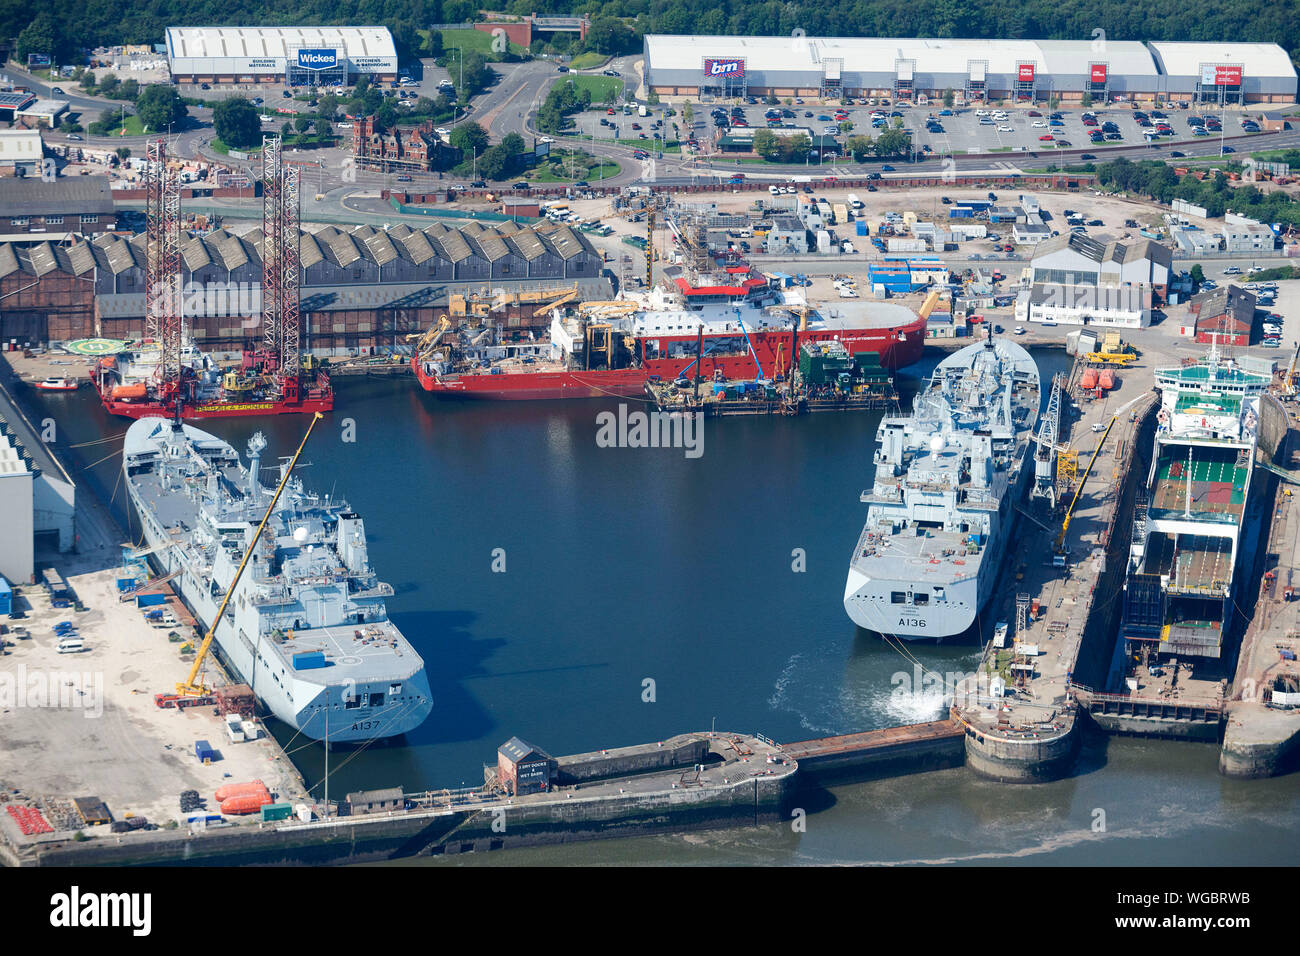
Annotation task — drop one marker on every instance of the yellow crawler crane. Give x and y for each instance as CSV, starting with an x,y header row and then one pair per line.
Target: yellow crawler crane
x,y
190,687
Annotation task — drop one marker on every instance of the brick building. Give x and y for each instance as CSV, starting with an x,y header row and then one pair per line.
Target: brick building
x,y
401,149
59,208
361,287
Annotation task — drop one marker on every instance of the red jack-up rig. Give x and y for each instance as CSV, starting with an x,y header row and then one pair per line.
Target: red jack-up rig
x,y
161,375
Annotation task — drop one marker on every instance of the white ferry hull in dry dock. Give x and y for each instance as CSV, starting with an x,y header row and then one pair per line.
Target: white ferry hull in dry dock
x,y
943,504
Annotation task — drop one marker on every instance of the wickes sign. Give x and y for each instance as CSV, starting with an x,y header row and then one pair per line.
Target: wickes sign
x,y
318,59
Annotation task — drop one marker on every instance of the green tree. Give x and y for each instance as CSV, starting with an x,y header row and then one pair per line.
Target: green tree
x,y
846,127
766,144
237,123
108,85
796,148
469,138
160,106
892,142
41,37
432,45
123,152
859,147
386,115
1086,101
688,114
324,130
610,36
948,99
128,90
771,99
302,122
1198,274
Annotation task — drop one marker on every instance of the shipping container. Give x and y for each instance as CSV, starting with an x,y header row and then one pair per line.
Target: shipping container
x,y
277,811
204,751
6,597
150,600
961,212
308,660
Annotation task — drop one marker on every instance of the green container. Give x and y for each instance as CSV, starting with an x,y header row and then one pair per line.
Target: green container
x,y
277,811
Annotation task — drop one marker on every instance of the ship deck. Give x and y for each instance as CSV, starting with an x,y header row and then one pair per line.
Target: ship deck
x,y
1219,481
353,652
1194,563
934,557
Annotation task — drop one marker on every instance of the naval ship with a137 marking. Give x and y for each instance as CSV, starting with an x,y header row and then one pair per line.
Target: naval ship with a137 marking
x,y
948,479
307,627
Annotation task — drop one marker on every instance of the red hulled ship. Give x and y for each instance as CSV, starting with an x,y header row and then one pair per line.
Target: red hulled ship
x,y
732,325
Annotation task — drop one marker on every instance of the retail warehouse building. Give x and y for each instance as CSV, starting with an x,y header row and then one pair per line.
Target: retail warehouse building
x,y
975,70
292,56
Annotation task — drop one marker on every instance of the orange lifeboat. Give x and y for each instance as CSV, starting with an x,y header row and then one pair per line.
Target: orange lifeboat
x,y
249,803
1089,379
240,790
138,390
1107,380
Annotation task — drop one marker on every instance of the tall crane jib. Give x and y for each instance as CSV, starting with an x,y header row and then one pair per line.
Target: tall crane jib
x,y
1049,430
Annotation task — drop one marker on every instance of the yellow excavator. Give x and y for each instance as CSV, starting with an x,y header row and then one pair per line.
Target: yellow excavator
x,y
425,341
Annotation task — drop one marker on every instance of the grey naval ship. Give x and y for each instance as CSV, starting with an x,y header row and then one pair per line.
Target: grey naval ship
x,y
307,627
948,478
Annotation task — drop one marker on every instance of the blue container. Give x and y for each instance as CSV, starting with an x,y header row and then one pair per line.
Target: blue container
x,y
862,227
203,750
308,660
150,600
6,597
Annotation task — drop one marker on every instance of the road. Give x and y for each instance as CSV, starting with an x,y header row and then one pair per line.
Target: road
x,y
510,106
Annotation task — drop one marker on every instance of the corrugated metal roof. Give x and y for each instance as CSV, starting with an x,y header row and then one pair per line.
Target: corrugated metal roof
x,y
377,246
30,196
8,260
225,249
450,241
194,253
415,245
882,54
1257,59
527,244
262,42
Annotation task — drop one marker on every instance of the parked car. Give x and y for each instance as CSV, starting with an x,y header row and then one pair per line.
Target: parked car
x,y
520,185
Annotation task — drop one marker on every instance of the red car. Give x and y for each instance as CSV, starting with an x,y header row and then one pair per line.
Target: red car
x,y
1046,138
610,111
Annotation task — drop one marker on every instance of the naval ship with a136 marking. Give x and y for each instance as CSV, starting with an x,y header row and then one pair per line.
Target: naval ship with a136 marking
x,y
307,627
948,479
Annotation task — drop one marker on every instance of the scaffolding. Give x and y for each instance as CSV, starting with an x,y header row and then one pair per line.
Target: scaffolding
x,y
162,322
281,291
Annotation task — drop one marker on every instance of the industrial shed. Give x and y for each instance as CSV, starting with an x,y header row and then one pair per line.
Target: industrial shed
x,y
908,68
1228,72
295,56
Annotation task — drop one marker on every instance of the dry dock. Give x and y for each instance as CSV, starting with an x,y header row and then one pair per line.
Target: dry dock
x,y
1027,732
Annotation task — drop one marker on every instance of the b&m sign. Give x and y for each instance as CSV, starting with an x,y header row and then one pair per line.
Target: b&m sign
x,y
724,68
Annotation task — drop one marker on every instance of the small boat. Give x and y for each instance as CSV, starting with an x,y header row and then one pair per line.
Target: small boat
x,y
58,385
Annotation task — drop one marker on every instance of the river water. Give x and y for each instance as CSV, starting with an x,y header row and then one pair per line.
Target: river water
x,y
646,593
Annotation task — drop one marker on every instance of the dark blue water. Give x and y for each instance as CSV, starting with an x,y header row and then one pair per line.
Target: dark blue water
x,y
622,566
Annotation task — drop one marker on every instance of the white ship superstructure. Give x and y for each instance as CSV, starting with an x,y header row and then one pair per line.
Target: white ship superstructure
x,y
1188,525
307,627
948,478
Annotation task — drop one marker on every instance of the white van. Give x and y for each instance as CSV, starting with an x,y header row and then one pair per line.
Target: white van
x,y
71,645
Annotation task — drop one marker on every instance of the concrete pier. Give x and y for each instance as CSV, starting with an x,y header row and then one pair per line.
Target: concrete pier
x,y
906,749
1028,734
1261,739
